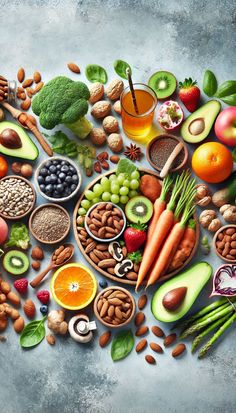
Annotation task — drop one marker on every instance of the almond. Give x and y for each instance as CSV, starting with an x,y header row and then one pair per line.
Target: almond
x,y
25,105
27,83
110,262
29,92
142,301
73,67
142,344
5,287
51,339
178,350
114,158
38,87
21,75
104,309
104,339
139,319
29,308
150,359
37,77
141,331
19,325
13,298
156,347
158,331
170,339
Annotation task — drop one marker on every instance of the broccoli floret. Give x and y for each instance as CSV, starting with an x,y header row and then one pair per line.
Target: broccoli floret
x,y
63,101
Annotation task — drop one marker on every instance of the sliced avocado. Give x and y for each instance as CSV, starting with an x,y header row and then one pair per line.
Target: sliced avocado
x,y
194,278
198,125
26,149
15,262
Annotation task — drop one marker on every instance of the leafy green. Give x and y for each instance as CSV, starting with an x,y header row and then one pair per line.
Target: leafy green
x,y
19,236
62,144
230,100
96,73
33,333
227,88
135,257
209,83
120,67
122,345
125,166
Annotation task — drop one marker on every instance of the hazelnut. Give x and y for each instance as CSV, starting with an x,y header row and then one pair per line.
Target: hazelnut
x,y
26,170
115,142
96,92
114,89
110,124
98,136
37,253
101,109
117,107
35,265
16,167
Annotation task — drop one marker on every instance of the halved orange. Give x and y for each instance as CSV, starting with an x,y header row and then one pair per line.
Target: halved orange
x,y
73,286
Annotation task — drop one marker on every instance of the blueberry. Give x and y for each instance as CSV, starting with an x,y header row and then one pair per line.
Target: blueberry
x,y
62,176
49,188
103,283
72,169
64,163
44,309
53,178
60,188
69,173
48,179
73,187
48,164
64,168
58,167
68,179
59,181
42,187
66,192
52,169
74,179
43,172
40,179
55,162
56,194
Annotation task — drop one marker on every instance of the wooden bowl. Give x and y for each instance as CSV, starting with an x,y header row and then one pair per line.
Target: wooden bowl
x,y
32,217
20,178
114,277
114,288
214,243
166,135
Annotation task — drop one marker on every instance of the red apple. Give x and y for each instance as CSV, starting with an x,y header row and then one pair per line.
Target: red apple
x,y
225,126
3,231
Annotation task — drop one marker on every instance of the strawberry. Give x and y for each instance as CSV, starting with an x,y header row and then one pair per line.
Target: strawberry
x,y
135,236
189,94
43,296
21,285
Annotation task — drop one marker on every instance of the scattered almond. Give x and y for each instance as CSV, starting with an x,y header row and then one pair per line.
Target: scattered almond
x,y
5,287
13,298
21,75
37,253
114,158
156,347
25,105
30,92
73,67
178,350
29,308
141,331
142,344
142,301
38,87
104,338
19,325
158,331
51,339
37,77
170,339
150,359
35,265
27,83
139,319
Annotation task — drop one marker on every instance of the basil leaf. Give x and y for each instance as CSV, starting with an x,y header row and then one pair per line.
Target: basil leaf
x,y
120,67
95,73
209,83
125,166
33,333
230,100
225,89
122,345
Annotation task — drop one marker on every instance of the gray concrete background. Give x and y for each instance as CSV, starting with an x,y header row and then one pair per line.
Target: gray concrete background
x,y
184,37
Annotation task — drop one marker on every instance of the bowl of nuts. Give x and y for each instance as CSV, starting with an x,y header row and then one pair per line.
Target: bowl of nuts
x,y
224,243
17,197
105,222
114,307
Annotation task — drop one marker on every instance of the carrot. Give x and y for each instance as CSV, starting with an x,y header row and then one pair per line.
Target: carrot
x,y
162,228
185,247
171,244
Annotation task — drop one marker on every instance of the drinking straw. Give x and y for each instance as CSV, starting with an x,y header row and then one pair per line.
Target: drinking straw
x,y
132,90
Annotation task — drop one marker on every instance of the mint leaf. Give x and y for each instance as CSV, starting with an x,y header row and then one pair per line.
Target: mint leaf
x,y
125,166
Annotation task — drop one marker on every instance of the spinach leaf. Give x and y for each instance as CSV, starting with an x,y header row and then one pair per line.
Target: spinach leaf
x,y
209,83
125,166
96,73
122,345
33,333
226,89
120,67
230,100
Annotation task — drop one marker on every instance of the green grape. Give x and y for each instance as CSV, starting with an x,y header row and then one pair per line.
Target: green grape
x,y
134,184
105,184
135,175
126,183
112,177
89,194
106,196
133,193
124,190
82,211
85,204
115,188
115,199
97,189
96,200
124,199
121,178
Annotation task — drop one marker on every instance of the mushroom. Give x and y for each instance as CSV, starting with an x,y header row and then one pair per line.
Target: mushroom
x,y
115,250
123,268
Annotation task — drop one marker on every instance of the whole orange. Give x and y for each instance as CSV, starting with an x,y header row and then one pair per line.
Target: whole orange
x,y
212,162
3,167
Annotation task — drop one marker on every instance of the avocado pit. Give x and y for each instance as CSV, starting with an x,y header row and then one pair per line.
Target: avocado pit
x,y
174,298
197,126
10,139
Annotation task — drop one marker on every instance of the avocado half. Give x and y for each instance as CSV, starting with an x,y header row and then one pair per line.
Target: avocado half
x,y
198,125
194,278
28,150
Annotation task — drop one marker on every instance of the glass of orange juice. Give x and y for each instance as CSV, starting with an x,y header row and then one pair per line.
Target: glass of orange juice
x,y
138,125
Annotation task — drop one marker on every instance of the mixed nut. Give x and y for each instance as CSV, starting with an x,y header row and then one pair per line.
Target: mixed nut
x,y
225,243
114,306
105,221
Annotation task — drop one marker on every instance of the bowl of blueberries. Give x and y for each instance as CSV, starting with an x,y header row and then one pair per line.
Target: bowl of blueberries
x,y
58,179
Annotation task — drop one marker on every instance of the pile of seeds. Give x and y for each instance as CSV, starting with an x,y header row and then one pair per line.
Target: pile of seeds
x,y
50,223
16,197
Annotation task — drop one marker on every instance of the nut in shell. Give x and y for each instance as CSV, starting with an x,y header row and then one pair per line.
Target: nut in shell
x,y
96,92
114,89
101,109
110,124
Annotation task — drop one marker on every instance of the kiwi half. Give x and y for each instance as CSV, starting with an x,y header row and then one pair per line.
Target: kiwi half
x,y
139,209
163,83
15,262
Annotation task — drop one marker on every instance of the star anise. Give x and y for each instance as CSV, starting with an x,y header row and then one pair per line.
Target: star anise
x,y
133,152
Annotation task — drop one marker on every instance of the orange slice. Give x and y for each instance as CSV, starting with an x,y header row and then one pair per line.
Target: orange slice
x,y
73,286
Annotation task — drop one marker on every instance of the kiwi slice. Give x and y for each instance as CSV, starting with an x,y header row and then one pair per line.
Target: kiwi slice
x,y
163,83
15,262
139,209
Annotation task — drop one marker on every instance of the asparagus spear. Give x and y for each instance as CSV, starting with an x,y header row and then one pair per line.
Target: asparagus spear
x,y
215,337
198,326
200,336
199,320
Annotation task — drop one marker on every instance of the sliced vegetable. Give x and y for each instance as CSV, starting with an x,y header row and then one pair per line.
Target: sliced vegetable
x,y
19,236
33,333
122,345
96,73
120,67
224,281
209,83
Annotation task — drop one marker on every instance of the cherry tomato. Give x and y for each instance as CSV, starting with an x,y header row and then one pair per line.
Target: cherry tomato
x,y
3,167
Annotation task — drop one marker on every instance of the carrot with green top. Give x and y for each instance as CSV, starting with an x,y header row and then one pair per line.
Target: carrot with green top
x,y
185,247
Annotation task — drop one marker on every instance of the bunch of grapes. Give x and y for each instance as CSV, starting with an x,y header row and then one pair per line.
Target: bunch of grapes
x,y
117,189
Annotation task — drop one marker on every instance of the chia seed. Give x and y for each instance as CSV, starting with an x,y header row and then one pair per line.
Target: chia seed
x,y
161,150
50,224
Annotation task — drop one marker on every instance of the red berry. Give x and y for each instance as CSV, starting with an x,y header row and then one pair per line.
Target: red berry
x,y
21,285
43,296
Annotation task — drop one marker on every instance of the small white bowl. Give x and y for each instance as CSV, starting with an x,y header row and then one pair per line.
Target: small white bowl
x,y
104,239
63,199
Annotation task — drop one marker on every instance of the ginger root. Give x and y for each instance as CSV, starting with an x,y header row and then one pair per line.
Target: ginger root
x,y
56,322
